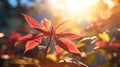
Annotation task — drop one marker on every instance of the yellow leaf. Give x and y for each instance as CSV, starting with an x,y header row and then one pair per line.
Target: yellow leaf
x,y
104,36
52,57
80,45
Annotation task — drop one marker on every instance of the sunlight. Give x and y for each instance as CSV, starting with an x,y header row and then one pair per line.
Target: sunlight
x,y
75,8
82,13
110,3
74,5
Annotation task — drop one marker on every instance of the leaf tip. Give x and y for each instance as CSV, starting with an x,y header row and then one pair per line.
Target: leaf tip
x,y
25,51
15,44
23,14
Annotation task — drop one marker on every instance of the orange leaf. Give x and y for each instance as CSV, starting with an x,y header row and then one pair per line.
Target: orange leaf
x,y
46,23
32,43
67,45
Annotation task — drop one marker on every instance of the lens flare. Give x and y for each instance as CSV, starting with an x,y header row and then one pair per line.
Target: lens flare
x,y
109,3
2,35
76,11
74,5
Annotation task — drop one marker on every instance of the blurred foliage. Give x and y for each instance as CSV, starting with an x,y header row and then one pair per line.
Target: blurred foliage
x,y
104,36
105,28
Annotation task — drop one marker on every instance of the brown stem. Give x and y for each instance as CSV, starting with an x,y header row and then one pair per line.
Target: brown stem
x,y
48,44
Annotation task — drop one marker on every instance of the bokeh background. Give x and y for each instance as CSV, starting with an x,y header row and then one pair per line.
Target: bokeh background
x,y
96,20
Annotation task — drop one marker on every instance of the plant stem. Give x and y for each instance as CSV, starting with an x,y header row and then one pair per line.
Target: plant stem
x,y
48,44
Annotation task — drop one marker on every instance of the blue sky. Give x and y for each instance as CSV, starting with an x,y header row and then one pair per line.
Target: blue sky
x,y
26,3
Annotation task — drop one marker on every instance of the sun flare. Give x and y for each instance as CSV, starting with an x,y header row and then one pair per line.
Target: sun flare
x,y
75,5
82,12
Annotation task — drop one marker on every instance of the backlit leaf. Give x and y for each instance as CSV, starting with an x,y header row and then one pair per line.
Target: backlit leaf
x,y
69,35
58,51
34,24
32,43
24,39
46,23
27,38
100,44
67,45
51,57
104,36
79,45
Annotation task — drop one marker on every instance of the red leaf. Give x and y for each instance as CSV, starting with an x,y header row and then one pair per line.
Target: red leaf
x,y
67,45
100,44
32,43
69,35
58,51
28,37
14,36
34,24
113,43
23,39
46,23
